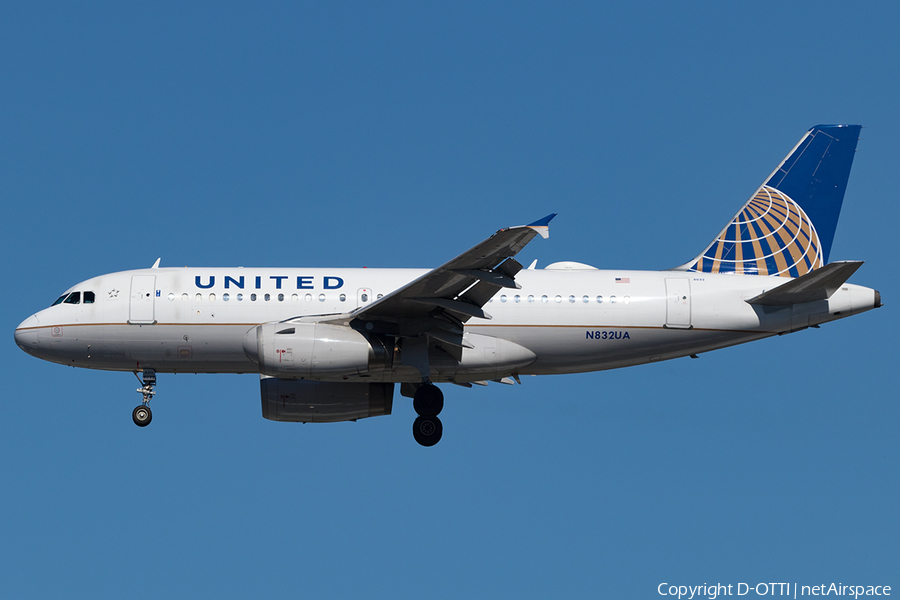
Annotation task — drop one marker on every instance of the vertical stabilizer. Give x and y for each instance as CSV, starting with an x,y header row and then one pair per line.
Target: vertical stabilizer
x,y
787,227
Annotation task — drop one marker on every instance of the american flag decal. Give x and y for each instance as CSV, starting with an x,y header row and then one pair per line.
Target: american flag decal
x,y
623,279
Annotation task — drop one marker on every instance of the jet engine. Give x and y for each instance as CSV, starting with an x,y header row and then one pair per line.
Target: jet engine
x,y
305,401
315,350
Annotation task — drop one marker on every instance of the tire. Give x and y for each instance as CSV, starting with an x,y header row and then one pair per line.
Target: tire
x,y
142,416
427,431
428,401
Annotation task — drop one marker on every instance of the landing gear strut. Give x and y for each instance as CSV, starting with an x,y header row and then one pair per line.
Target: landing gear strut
x,y
428,403
142,415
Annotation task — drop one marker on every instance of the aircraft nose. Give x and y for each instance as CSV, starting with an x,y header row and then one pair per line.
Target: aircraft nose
x,y
27,334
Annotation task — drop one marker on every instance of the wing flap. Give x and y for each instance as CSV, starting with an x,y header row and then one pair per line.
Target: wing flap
x,y
457,306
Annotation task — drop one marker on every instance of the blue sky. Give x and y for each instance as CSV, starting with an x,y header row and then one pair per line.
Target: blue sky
x,y
400,134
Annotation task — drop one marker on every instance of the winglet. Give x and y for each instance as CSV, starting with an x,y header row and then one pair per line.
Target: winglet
x,y
156,264
542,226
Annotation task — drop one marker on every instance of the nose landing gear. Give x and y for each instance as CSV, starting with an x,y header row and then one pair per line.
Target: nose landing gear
x,y
428,403
141,415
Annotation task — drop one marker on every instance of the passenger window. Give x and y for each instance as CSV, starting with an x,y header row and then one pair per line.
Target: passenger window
x,y
321,297
184,297
586,299
558,299
74,298
239,297
517,298
544,299
252,297
599,299
89,297
198,297
531,298
59,300
171,297
281,297
343,297
503,298
226,297
267,297
308,297
572,299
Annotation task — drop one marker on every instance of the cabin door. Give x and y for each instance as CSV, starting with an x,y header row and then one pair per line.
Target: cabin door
x,y
143,296
678,303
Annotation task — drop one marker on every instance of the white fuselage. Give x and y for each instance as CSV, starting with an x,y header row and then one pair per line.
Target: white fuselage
x,y
194,320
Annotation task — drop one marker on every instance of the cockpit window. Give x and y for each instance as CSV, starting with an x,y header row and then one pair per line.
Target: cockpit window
x,y
74,298
59,300
89,297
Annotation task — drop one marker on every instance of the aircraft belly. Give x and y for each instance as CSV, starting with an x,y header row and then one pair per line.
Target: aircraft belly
x,y
165,348
580,349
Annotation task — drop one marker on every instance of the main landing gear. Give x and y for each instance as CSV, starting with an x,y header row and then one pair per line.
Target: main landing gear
x,y
141,414
428,403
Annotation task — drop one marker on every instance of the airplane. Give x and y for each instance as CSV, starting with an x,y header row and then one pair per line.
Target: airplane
x,y
330,344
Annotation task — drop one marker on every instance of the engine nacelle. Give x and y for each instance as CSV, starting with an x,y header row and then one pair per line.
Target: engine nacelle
x,y
314,350
307,401
488,358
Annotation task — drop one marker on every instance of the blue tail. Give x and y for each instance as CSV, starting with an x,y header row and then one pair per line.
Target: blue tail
x,y
787,227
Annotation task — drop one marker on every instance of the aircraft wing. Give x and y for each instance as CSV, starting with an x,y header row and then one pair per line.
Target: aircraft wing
x,y
441,300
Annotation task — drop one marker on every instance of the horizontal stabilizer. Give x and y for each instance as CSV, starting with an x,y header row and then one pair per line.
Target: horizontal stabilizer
x,y
815,285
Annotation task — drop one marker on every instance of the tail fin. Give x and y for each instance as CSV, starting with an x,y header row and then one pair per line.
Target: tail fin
x,y
787,227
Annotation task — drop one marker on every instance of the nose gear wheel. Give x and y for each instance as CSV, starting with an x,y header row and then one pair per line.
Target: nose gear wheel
x,y
142,415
